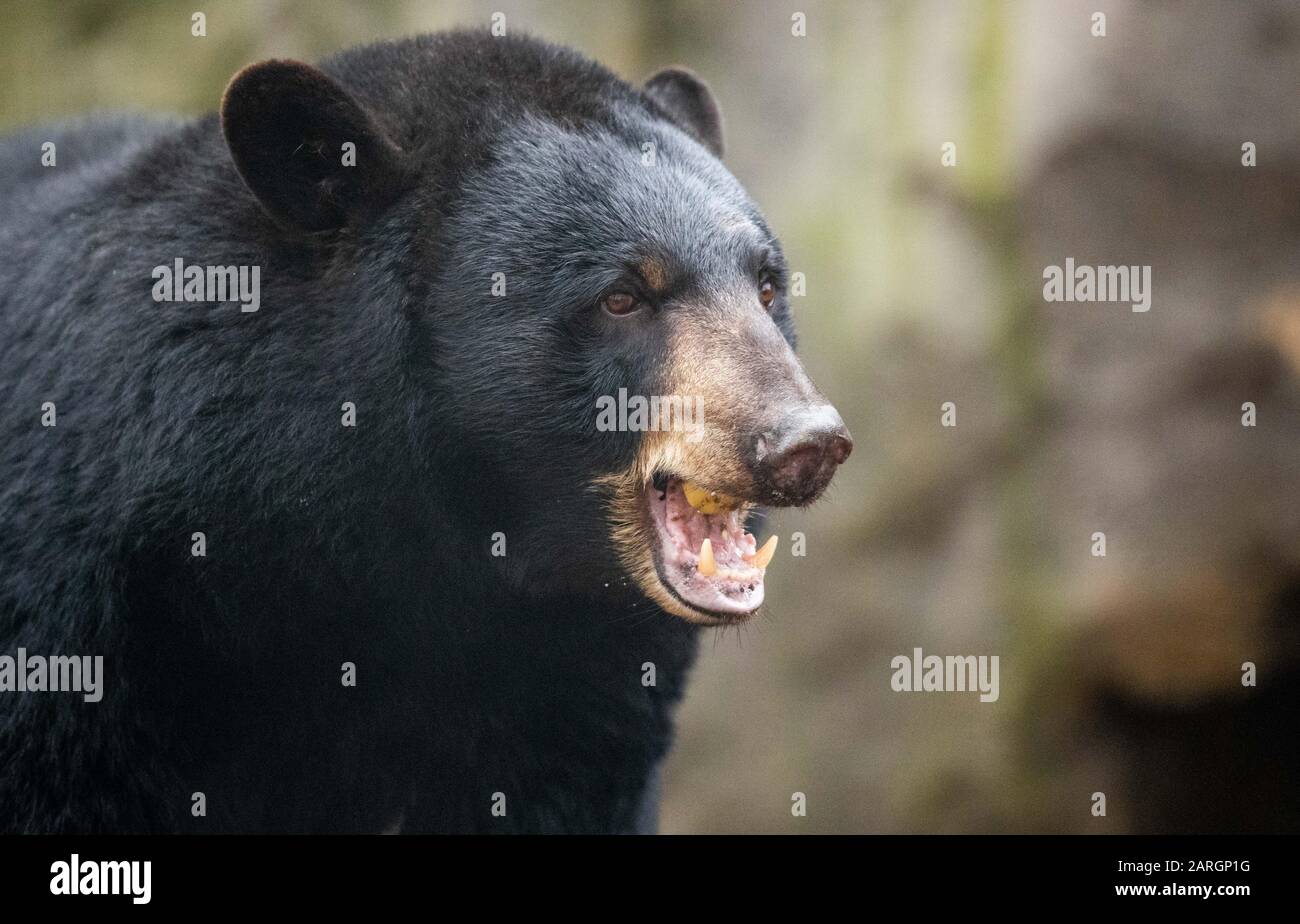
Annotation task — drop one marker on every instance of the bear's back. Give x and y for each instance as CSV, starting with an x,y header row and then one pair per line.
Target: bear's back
x,y
85,150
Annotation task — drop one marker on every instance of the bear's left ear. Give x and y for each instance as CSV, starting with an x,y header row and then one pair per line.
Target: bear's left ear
x,y
287,124
689,102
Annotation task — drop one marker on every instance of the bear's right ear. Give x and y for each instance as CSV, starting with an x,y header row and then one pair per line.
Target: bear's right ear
x,y
286,124
689,102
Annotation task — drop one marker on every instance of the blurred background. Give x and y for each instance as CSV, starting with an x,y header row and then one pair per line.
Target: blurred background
x,y
1119,674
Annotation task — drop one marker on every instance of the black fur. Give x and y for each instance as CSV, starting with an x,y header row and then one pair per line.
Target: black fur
x,y
476,675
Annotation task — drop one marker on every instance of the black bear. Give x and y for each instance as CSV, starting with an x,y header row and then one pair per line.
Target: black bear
x,y
390,436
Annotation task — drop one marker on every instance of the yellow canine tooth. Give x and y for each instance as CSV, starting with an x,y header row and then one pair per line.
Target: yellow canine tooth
x,y
764,555
707,502
707,566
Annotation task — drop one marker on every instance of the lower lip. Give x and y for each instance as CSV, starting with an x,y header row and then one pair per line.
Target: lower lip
x,y
737,615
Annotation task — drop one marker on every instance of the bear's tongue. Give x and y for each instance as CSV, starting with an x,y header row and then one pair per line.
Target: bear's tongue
x,y
705,555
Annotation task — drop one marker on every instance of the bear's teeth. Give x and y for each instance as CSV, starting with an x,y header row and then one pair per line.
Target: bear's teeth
x,y
708,502
764,555
708,567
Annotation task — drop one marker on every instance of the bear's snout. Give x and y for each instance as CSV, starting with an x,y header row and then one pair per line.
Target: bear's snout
x,y
795,461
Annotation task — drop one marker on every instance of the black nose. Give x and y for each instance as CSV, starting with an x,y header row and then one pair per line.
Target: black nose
x,y
797,461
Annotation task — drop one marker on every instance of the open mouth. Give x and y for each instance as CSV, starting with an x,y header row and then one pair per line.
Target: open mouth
x,y
704,557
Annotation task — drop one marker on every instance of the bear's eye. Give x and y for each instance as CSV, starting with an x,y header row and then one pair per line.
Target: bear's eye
x,y
621,303
767,293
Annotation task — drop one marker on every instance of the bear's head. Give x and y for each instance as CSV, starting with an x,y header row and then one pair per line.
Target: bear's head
x,y
599,308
